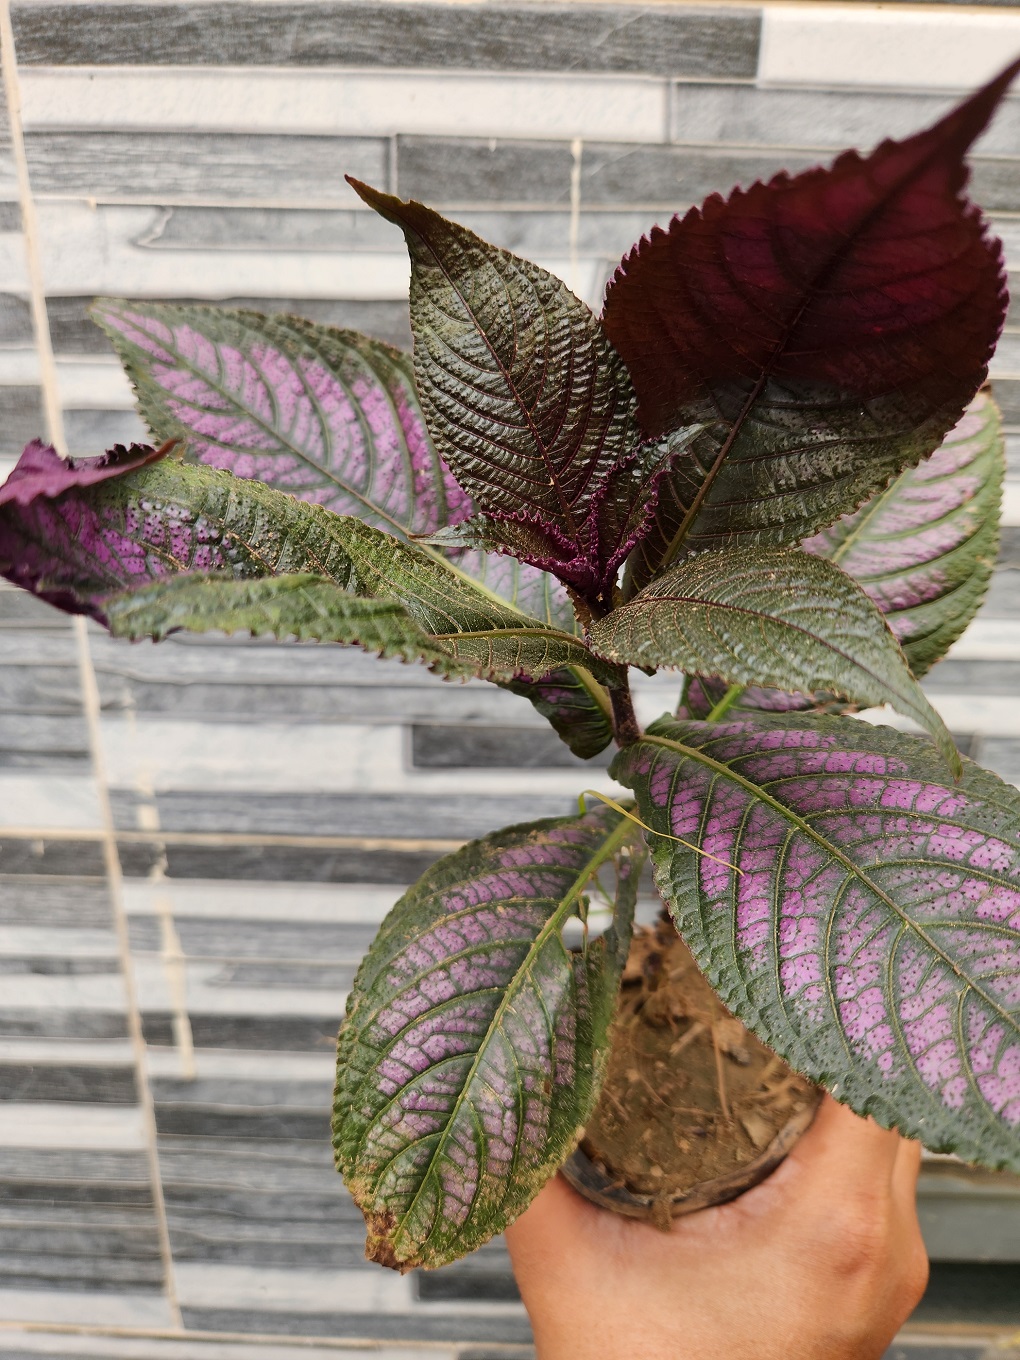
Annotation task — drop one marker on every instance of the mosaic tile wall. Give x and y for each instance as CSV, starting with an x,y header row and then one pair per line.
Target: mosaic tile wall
x,y
197,840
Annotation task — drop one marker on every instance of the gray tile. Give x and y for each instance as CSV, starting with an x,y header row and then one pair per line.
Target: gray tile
x,y
43,735
21,418
976,677
10,215
78,903
457,1284
92,1084
416,1326
445,747
15,314
143,165
74,333
218,1123
274,863
705,42
90,432
747,115
20,609
95,1269
263,940
455,817
1003,598
675,176
1005,390
443,170
49,1173
50,965
39,689
1002,755
995,184
70,858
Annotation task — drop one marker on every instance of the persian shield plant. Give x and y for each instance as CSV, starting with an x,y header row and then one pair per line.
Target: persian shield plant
x,y
771,464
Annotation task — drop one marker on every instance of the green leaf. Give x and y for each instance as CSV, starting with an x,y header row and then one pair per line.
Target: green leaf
x,y
770,617
924,549
523,394
861,913
307,608
475,1041
576,706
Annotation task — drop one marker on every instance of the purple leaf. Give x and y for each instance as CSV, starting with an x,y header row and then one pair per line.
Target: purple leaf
x,y
474,1043
924,549
872,933
328,415
527,401
829,328
40,471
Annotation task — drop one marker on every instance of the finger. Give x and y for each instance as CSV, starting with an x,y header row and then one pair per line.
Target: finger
x,y
840,1148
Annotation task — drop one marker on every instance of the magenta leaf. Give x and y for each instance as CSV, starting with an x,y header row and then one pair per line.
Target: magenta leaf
x,y
328,415
475,1040
861,912
527,401
924,549
828,328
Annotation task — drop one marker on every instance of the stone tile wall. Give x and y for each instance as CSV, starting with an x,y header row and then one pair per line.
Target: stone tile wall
x,y
198,840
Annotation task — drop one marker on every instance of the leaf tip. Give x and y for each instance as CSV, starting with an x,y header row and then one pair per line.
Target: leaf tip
x,y
379,1244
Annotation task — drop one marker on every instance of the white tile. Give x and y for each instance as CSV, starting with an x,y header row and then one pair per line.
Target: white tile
x,y
890,46
306,758
6,468
338,904
40,941
1006,360
37,802
995,715
59,1052
19,366
607,108
366,1291
73,992
209,994
85,250
1011,503
988,640
13,264
244,1065
96,1127
94,386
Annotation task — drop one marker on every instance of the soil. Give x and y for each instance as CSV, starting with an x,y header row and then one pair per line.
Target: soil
x,y
690,1095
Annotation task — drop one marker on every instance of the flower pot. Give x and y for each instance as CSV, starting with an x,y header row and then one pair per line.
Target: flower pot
x,y
694,1109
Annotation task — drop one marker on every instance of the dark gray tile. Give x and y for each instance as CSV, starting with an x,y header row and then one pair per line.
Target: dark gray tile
x,y
50,965
214,165
214,1123
15,313
445,170
90,432
924,1351
73,333
411,1326
51,1172
75,859
79,903
91,1084
21,418
443,747
467,1286
58,1024
277,1033
701,42
986,1295
269,1246
454,817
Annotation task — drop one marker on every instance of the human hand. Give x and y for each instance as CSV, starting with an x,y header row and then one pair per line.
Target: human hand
x,y
822,1261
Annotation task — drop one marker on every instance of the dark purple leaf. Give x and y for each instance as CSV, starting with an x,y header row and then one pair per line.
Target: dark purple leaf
x,y
40,471
872,933
828,328
475,1041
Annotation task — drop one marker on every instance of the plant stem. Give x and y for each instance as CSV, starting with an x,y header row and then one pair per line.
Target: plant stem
x,y
726,703
626,728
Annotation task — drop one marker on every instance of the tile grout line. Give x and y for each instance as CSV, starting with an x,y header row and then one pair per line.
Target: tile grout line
x,y
114,878
40,318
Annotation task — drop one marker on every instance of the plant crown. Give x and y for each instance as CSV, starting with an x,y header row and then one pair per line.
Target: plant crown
x,y
771,463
